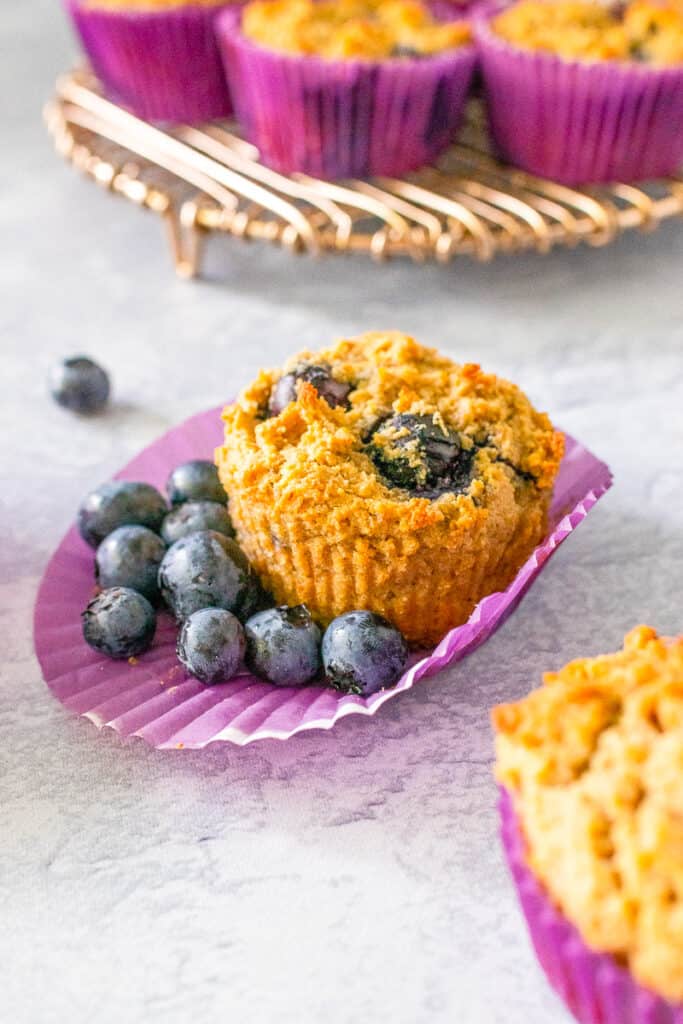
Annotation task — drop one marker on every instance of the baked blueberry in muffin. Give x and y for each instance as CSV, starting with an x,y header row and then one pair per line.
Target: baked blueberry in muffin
x,y
378,474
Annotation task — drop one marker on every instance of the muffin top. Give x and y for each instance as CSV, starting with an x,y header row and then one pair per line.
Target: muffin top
x,y
646,31
379,429
359,29
594,763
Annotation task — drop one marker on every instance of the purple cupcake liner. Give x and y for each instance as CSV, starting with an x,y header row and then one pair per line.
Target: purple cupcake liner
x,y
593,985
155,699
163,65
341,119
578,122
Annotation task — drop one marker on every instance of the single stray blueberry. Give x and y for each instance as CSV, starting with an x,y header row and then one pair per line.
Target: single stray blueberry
x,y
130,556
119,622
283,645
79,384
204,570
363,653
211,645
119,503
196,480
335,392
193,516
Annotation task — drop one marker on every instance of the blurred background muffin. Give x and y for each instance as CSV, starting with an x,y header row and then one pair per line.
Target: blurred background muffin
x,y
581,91
345,88
158,58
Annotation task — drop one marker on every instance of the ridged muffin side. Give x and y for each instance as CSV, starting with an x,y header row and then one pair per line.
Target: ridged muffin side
x,y
593,761
323,526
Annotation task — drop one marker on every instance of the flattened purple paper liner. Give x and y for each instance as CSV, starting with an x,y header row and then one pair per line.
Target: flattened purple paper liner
x,y
344,118
163,65
579,122
594,987
155,699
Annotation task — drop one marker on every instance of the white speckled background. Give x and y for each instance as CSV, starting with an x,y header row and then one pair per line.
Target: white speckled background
x,y
347,877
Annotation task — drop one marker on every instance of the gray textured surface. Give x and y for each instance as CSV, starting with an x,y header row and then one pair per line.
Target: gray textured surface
x,y
348,877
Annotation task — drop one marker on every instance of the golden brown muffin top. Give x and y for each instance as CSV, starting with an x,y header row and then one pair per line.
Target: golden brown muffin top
x,y
415,439
649,31
342,29
594,763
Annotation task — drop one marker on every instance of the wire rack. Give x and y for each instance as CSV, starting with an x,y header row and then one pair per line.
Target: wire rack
x,y
209,180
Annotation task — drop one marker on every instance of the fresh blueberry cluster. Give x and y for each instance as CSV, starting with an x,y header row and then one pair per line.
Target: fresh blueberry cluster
x,y
185,559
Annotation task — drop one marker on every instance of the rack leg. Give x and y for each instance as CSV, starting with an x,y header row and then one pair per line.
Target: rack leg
x,y
186,239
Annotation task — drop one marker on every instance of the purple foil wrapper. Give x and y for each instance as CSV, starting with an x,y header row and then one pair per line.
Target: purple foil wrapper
x,y
346,118
163,65
594,987
154,698
578,122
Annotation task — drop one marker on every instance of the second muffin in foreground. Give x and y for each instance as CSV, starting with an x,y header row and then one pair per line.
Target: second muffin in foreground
x,y
378,474
591,765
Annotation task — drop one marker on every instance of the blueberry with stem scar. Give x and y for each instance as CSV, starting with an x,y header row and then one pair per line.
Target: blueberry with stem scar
x,y
193,516
363,653
130,556
283,645
119,622
119,503
196,480
211,645
204,570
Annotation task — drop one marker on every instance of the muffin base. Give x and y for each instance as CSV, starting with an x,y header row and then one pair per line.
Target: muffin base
x,y
351,118
424,587
579,122
595,988
161,65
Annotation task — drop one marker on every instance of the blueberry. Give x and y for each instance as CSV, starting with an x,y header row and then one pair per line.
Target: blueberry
x,y
79,384
335,392
196,480
204,570
211,645
119,622
363,653
283,645
130,556
256,599
194,516
119,503
420,454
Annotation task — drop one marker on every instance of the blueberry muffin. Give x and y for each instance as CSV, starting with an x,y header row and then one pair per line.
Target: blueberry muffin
x,y
342,88
592,764
159,58
378,474
583,91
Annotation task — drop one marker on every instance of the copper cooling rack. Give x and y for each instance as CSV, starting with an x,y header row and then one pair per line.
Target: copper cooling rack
x,y
209,179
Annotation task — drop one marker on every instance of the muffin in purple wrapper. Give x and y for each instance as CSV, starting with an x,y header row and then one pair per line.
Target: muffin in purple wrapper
x,y
346,88
158,58
592,825
582,92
